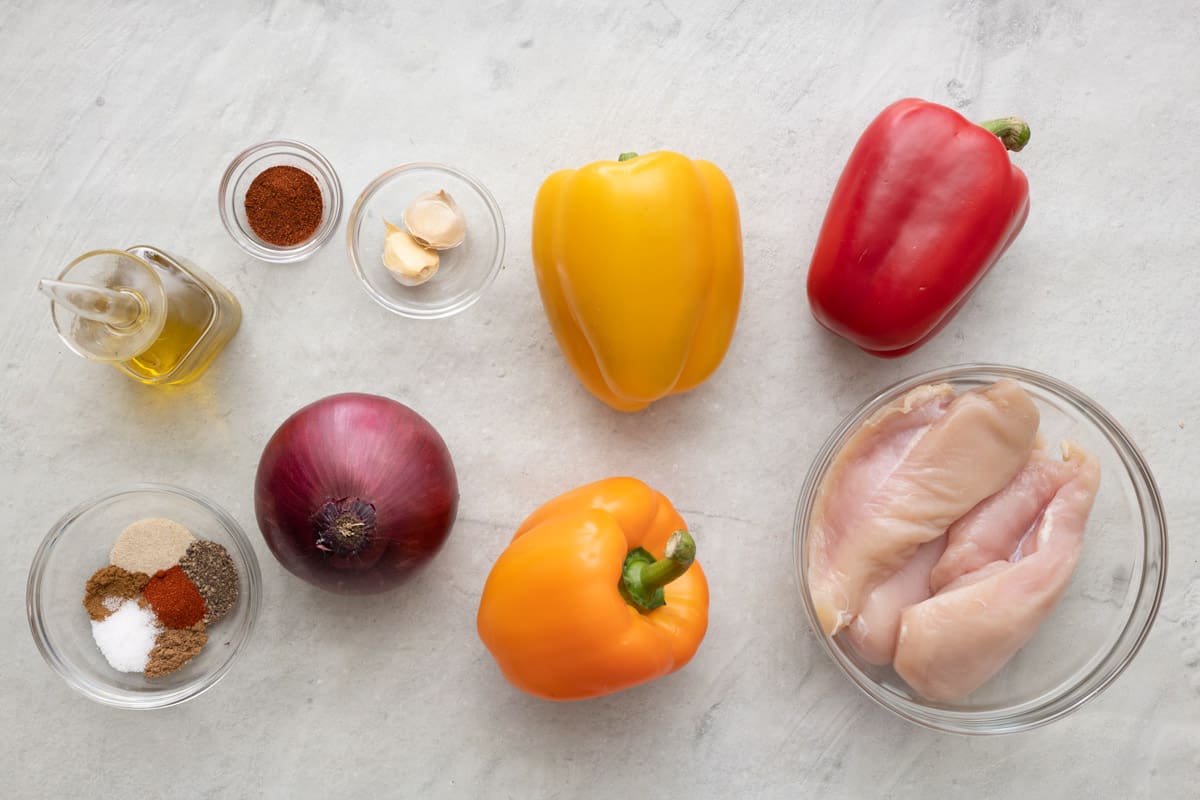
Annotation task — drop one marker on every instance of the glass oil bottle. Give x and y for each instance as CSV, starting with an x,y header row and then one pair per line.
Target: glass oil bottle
x,y
157,318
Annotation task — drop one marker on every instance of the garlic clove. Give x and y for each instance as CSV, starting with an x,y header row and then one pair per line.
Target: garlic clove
x,y
436,221
406,260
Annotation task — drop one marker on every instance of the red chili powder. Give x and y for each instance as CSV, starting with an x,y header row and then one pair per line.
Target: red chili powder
x,y
284,205
174,598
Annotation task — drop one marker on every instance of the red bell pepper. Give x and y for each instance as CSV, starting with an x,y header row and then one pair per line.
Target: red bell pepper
x,y
925,206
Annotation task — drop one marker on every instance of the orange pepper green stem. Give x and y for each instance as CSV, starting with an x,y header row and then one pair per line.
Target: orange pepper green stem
x,y
639,267
598,591
643,578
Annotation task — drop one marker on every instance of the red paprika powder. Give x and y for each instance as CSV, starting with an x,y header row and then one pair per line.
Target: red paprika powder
x,y
284,205
174,598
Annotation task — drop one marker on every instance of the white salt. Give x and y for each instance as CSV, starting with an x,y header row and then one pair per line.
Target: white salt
x,y
126,636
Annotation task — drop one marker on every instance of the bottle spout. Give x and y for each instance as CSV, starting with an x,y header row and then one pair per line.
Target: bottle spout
x,y
118,308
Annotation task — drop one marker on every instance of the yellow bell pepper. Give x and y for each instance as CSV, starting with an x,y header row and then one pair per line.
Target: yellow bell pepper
x,y
598,591
639,265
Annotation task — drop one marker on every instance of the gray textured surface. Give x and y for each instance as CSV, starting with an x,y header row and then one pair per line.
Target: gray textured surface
x,y
117,120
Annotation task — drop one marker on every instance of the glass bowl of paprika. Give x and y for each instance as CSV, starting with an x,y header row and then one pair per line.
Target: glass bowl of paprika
x,y
280,201
81,544
1079,643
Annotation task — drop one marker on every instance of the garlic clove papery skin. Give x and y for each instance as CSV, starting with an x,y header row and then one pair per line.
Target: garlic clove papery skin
x,y
436,221
406,259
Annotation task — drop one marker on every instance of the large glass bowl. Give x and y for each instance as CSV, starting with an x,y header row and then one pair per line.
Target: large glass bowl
x,y
79,544
464,272
1097,627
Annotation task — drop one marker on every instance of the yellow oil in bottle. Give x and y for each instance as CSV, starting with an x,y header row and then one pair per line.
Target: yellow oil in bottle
x,y
201,318
157,318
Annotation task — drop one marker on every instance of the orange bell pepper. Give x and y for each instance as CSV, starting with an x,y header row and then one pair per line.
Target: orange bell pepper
x,y
598,591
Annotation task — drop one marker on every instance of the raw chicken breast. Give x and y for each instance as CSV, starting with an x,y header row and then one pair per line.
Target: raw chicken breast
x,y
906,474
873,632
993,529
951,644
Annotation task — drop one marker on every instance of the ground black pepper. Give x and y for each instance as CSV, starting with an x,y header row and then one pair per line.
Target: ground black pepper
x,y
209,566
284,206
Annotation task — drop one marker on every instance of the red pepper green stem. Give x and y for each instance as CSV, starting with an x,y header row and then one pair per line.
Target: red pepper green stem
x,y
1012,131
627,156
643,577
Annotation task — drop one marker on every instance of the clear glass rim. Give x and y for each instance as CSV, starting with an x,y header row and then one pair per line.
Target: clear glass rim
x,y
1142,614
264,252
251,595
159,301
414,312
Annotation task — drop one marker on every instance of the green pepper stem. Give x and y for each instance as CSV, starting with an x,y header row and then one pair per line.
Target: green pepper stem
x,y
627,156
679,555
643,577
1012,131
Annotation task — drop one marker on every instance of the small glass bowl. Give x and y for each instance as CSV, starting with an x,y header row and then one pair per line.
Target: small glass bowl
x,y
79,544
1101,621
247,166
464,272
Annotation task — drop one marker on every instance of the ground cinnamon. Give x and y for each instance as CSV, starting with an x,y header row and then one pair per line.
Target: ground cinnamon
x,y
110,582
284,206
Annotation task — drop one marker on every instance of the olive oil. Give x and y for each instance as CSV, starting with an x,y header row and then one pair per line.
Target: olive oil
x,y
202,316
157,318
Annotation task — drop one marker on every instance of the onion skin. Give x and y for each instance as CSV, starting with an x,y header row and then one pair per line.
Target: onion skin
x,y
350,447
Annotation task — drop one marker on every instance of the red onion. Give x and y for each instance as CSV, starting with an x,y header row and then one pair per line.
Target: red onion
x,y
355,491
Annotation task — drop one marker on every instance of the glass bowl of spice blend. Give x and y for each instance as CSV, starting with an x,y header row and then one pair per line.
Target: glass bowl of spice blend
x,y
144,527
464,265
280,201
